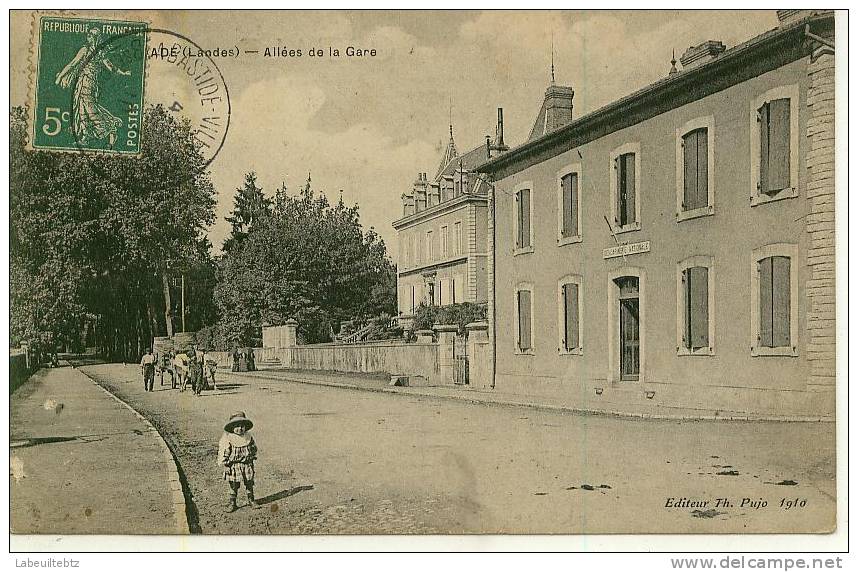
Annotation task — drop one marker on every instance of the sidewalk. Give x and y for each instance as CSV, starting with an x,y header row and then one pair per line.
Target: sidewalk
x,y
83,462
374,382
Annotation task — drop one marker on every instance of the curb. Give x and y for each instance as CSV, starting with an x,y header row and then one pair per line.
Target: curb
x,y
180,507
410,391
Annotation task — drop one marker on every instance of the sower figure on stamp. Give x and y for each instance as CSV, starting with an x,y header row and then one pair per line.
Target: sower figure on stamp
x,y
147,366
236,454
90,119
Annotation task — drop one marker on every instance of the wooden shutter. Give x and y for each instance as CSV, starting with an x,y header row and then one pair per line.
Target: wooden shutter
x,y
689,196
763,119
620,200
566,206
702,168
779,146
573,204
629,185
780,301
686,309
765,270
571,338
698,302
524,319
524,218
569,190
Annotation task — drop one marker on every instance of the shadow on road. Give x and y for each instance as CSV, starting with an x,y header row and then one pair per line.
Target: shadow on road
x,y
33,441
284,494
229,385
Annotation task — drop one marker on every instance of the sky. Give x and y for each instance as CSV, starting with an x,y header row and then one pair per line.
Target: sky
x,y
367,126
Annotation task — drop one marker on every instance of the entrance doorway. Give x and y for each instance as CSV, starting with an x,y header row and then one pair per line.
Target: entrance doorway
x,y
629,328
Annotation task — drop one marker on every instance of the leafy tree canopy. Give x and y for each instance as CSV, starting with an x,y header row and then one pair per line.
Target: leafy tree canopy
x,y
311,261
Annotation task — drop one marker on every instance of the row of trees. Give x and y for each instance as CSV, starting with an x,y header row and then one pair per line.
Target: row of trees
x,y
97,242
99,245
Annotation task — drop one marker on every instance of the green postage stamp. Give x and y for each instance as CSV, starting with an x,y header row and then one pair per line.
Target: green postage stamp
x,y
88,86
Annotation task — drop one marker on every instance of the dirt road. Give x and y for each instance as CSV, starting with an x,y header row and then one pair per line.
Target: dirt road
x,y
343,461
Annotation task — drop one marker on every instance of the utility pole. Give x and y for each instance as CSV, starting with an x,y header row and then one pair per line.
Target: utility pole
x,y
183,302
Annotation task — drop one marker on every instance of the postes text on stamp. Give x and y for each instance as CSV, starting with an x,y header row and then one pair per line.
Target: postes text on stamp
x,y
88,88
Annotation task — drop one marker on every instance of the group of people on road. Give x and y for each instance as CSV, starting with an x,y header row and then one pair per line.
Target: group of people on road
x,y
243,359
183,367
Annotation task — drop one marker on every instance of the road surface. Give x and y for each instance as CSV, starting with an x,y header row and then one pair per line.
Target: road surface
x,y
342,461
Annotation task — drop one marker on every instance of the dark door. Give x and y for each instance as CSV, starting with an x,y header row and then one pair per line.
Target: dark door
x,y
630,357
629,340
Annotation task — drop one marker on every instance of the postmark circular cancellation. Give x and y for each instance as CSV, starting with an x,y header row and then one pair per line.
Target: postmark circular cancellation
x,y
93,79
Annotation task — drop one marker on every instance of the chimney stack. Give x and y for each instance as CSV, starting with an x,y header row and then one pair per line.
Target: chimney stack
x,y
787,17
498,146
557,107
700,54
499,132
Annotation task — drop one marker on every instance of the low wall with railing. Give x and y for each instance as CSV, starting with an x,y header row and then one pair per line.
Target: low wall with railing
x,y
392,357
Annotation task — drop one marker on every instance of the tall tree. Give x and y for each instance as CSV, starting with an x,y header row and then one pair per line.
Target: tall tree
x,y
249,206
311,261
95,239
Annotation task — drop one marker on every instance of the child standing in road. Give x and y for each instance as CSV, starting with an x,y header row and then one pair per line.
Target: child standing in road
x,y
236,454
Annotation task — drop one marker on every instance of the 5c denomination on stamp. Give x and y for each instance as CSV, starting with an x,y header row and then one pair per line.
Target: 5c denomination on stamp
x,y
88,85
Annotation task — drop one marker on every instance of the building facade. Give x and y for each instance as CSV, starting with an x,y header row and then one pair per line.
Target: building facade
x,y
685,254
442,233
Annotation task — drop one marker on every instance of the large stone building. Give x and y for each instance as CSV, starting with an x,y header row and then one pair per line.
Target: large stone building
x,y
442,232
685,254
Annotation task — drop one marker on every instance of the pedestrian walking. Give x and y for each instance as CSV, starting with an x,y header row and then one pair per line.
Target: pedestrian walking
x,y
211,368
196,370
236,454
147,368
165,362
251,360
235,359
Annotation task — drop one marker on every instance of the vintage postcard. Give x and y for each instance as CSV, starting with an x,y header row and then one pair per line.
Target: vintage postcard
x,y
423,272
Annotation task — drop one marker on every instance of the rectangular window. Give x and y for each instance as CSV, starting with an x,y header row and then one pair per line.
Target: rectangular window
x,y
429,250
458,289
774,120
444,236
524,325
443,289
413,298
571,330
625,167
457,245
695,281
569,190
522,239
774,302
695,147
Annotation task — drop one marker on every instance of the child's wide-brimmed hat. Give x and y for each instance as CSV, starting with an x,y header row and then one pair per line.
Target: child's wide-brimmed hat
x,y
238,418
